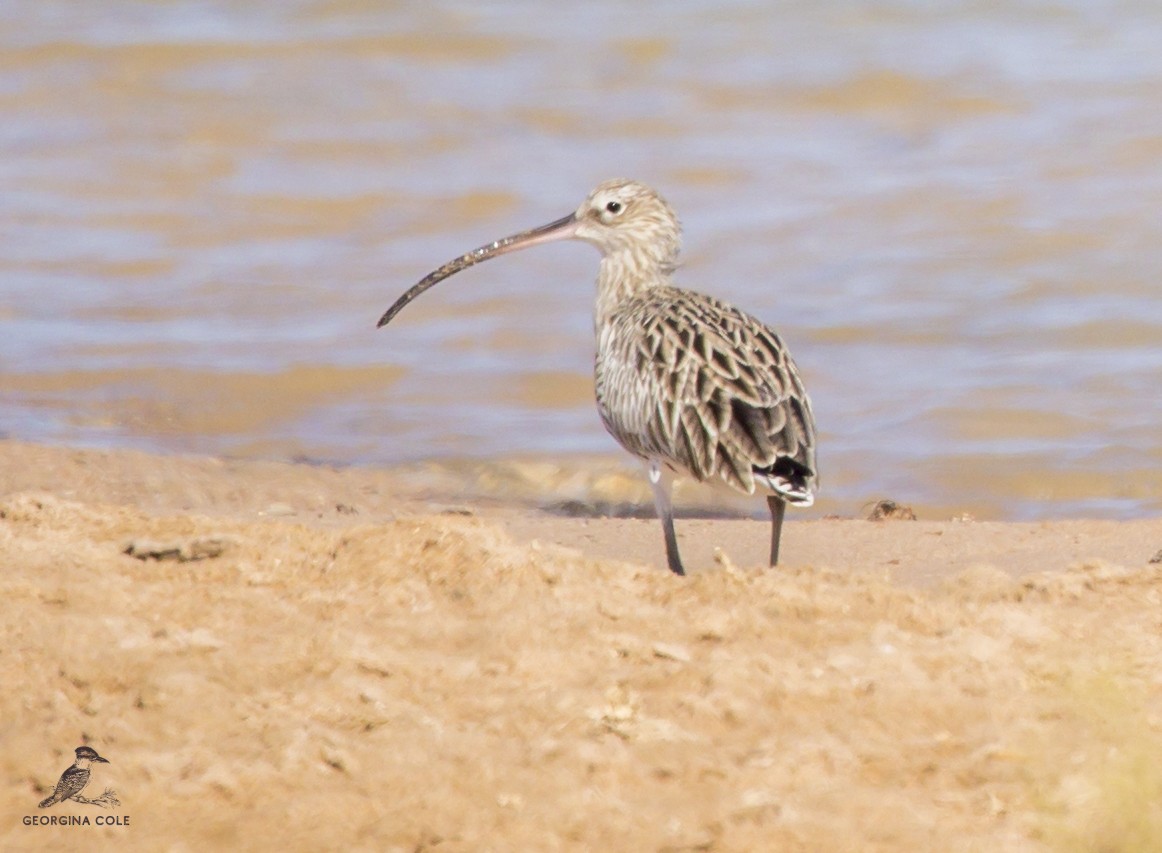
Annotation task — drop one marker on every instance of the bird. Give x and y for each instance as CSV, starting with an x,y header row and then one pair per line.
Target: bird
x,y
75,777
686,382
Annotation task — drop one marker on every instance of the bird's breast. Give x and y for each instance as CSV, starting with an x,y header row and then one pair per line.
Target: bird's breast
x,y
627,397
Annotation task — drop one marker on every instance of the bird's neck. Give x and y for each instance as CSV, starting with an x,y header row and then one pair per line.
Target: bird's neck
x,y
624,274
82,763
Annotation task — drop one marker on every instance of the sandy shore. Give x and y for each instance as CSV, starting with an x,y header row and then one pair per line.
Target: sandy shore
x,y
293,657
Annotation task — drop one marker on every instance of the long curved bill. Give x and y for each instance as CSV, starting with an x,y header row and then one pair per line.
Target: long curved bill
x,y
561,229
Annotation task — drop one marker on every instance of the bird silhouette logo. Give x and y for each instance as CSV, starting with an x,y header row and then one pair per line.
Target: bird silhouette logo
x,y
73,781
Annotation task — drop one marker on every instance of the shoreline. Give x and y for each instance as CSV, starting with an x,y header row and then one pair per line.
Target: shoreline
x,y
913,552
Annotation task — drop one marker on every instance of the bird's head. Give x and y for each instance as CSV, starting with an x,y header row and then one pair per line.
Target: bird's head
x,y
87,753
620,217
626,216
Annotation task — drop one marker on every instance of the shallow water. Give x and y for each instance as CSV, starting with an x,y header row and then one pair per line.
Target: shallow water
x,y
952,216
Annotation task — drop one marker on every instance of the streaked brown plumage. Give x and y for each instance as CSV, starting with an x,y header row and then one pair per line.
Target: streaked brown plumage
x,y
684,381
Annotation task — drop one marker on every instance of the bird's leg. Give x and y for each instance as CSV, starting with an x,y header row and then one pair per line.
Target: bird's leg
x,y
662,482
777,505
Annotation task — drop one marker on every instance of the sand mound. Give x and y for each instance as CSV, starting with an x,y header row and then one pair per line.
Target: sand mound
x,y
427,681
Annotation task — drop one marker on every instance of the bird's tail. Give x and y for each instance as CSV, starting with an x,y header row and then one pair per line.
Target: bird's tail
x,y
48,801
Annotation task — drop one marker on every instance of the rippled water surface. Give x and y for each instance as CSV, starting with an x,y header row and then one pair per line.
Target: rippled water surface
x,y
952,213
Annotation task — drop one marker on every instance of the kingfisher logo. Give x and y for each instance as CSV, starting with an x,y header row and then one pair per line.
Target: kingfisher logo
x,y
72,786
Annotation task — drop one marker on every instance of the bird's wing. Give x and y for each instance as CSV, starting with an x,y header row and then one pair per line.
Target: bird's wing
x,y
71,783
727,398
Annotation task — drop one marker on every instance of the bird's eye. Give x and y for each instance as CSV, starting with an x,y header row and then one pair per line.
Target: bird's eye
x,y
614,207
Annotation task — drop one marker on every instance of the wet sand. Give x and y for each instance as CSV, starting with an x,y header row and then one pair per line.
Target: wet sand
x,y
301,658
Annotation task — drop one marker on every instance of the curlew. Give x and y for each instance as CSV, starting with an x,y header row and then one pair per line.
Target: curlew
x,y
684,381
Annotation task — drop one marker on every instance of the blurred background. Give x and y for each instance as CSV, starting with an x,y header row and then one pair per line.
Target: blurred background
x,y
952,213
